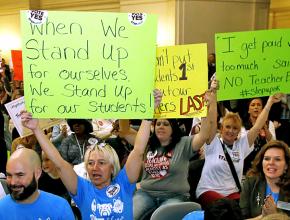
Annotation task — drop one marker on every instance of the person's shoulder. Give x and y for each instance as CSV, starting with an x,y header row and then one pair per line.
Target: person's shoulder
x,y
49,197
68,139
253,180
242,139
184,138
121,177
5,200
121,173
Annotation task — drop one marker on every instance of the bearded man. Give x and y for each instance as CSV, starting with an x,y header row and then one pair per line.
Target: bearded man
x,y
25,201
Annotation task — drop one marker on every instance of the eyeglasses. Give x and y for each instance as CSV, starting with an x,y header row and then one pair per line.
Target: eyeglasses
x,y
164,123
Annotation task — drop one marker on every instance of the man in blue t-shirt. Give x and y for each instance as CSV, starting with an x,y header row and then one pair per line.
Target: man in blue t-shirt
x,y
25,201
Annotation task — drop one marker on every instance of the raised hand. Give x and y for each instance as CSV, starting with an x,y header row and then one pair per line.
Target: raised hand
x,y
27,120
269,206
214,85
157,97
210,95
276,97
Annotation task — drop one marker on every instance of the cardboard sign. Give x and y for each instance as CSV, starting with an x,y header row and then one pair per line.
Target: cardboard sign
x,y
253,64
14,109
88,64
16,56
181,75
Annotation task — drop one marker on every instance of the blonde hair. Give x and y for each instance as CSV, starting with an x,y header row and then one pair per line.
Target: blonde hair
x,y
109,153
233,116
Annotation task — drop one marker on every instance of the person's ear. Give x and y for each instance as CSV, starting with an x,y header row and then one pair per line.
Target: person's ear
x,y
37,173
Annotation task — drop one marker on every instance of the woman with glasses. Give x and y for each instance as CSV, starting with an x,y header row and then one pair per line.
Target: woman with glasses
x,y
166,160
109,193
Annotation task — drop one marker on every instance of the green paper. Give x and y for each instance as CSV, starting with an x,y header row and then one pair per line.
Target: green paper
x,y
89,65
253,64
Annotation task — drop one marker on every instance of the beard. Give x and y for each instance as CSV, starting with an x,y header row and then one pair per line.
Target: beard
x,y
25,193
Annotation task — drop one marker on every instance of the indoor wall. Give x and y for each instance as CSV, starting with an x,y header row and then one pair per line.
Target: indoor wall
x,y
279,14
199,20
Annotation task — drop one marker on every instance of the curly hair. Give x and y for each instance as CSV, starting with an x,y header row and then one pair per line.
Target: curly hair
x,y
257,166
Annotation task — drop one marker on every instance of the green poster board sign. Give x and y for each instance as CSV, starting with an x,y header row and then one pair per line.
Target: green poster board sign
x,y
88,64
253,64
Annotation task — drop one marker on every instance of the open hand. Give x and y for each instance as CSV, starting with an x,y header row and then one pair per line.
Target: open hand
x,y
27,120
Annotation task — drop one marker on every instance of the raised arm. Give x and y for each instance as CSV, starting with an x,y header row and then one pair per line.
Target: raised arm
x,y
135,160
262,118
67,174
209,123
126,132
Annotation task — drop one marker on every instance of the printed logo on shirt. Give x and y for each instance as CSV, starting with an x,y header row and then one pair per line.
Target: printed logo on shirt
x,y
236,156
222,157
107,209
151,155
113,190
118,206
156,166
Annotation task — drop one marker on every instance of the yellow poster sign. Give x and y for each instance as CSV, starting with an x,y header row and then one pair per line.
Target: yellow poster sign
x,y
181,75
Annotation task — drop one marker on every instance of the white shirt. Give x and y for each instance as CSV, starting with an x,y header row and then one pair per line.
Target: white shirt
x,y
216,174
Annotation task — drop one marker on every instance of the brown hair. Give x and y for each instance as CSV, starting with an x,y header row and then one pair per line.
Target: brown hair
x,y
257,167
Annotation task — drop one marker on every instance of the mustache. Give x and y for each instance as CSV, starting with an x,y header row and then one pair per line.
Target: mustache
x,y
15,186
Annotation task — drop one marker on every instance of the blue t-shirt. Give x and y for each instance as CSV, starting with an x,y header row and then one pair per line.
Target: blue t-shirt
x,y
195,215
274,195
112,202
46,206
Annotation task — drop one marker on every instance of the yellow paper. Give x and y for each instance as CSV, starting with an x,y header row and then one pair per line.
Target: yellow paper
x,y
181,75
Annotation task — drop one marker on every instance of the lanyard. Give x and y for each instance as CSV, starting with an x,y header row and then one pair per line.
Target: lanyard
x,y
82,149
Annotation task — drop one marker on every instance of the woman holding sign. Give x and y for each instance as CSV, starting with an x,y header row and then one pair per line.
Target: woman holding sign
x,y
109,194
224,157
166,161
